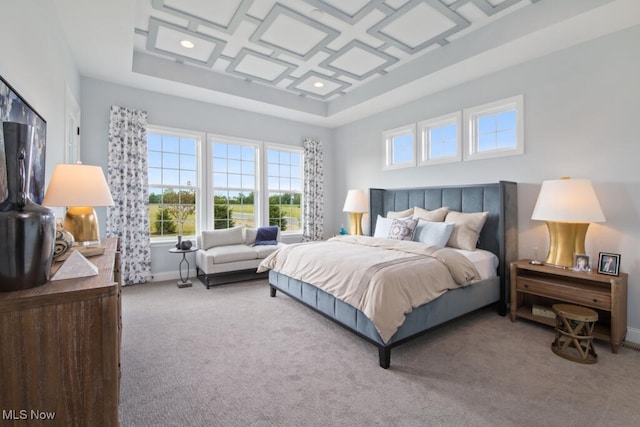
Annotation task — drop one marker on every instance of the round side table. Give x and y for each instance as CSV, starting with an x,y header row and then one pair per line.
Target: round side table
x,y
574,333
184,281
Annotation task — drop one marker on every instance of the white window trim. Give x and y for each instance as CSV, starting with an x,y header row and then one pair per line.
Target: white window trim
x,y
200,137
258,145
387,138
423,131
264,219
471,133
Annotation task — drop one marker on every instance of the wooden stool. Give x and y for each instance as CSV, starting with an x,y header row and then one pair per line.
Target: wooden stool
x,y
574,333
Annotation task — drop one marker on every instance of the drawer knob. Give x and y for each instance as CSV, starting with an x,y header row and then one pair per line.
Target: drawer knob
x,y
526,286
595,300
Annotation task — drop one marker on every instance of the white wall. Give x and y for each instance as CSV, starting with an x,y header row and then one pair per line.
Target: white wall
x,y
37,63
582,107
171,111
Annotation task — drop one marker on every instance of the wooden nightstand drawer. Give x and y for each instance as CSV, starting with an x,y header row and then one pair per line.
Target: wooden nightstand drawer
x,y
586,297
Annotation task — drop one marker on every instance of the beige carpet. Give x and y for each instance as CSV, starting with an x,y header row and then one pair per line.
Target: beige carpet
x,y
233,356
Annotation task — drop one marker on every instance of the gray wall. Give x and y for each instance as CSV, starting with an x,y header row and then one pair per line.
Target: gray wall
x,y
581,117
37,63
171,111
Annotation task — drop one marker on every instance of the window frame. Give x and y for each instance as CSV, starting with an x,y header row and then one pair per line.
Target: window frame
x,y
265,200
471,116
199,137
424,128
387,138
210,188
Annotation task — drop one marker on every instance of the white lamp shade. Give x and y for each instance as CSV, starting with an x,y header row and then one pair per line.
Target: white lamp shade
x,y
77,185
568,200
356,201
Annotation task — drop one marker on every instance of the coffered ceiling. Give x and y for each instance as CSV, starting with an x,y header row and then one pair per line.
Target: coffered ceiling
x,y
328,61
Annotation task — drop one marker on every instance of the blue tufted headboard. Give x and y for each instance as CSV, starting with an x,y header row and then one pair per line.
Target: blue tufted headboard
x,y
500,232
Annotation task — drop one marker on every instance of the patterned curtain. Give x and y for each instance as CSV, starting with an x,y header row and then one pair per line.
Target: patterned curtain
x,y
313,192
127,176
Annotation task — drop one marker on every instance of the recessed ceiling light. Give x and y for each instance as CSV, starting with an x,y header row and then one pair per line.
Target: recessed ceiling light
x,y
187,43
316,14
318,84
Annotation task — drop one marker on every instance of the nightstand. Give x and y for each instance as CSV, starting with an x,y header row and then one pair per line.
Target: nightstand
x,y
538,287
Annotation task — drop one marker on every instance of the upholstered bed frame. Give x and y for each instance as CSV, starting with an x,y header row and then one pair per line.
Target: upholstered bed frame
x,y
499,235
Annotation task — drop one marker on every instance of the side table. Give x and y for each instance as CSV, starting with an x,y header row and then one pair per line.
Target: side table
x,y
184,281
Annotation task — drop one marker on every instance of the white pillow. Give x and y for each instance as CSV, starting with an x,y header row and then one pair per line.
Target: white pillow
x,y
224,237
383,225
433,233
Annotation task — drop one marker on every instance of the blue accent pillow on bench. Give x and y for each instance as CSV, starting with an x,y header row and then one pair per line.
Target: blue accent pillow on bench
x,y
267,236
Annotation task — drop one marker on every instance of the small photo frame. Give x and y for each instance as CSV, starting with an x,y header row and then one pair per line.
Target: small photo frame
x,y
609,263
581,262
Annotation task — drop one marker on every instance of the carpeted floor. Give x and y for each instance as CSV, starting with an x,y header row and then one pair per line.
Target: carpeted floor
x,y
233,356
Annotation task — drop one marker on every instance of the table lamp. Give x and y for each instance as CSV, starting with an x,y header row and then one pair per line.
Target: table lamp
x,y
79,187
568,206
355,204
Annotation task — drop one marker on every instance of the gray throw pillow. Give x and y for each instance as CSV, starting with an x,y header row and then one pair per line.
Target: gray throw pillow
x,y
402,229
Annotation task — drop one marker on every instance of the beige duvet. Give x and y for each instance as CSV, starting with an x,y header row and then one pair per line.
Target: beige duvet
x,y
383,278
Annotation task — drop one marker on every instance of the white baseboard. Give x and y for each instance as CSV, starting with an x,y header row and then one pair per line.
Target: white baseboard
x,y
633,335
171,275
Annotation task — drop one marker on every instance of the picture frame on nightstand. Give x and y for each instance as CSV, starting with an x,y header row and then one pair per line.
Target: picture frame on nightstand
x,y
581,262
609,263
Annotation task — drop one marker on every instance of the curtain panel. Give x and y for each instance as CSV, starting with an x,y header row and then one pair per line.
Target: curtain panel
x,y
313,190
127,172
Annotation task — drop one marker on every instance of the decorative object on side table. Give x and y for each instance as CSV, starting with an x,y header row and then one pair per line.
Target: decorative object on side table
x,y
27,230
568,206
79,188
64,242
609,263
355,204
581,262
75,266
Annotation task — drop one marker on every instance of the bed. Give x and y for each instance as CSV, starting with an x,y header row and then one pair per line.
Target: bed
x,y
498,236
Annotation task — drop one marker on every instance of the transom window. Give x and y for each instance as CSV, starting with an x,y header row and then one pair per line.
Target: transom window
x,y
284,185
400,147
495,129
173,182
440,139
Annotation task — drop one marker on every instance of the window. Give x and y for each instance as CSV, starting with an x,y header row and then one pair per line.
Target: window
x,y
234,182
400,147
495,129
173,182
440,139
284,186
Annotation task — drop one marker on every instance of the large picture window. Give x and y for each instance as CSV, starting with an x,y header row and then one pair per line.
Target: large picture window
x,y
173,182
234,182
284,185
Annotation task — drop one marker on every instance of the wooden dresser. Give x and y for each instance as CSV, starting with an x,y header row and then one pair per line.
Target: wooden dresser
x,y
60,349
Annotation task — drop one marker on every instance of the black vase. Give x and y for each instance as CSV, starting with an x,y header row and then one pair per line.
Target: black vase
x,y
27,230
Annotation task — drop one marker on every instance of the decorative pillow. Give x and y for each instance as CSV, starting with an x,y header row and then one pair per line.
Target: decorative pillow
x,y
400,214
433,233
402,229
436,215
225,237
266,236
383,225
467,229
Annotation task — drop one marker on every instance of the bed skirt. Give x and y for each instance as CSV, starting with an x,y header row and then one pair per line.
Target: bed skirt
x,y
452,304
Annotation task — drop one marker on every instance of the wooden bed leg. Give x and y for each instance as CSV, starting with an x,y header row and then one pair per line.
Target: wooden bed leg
x,y
272,291
384,354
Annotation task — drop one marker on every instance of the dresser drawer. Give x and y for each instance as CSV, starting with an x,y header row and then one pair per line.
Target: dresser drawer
x,y
572,294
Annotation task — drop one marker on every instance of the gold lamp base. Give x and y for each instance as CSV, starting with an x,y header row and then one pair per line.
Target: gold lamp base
x,y
565,240
355,223
82,222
